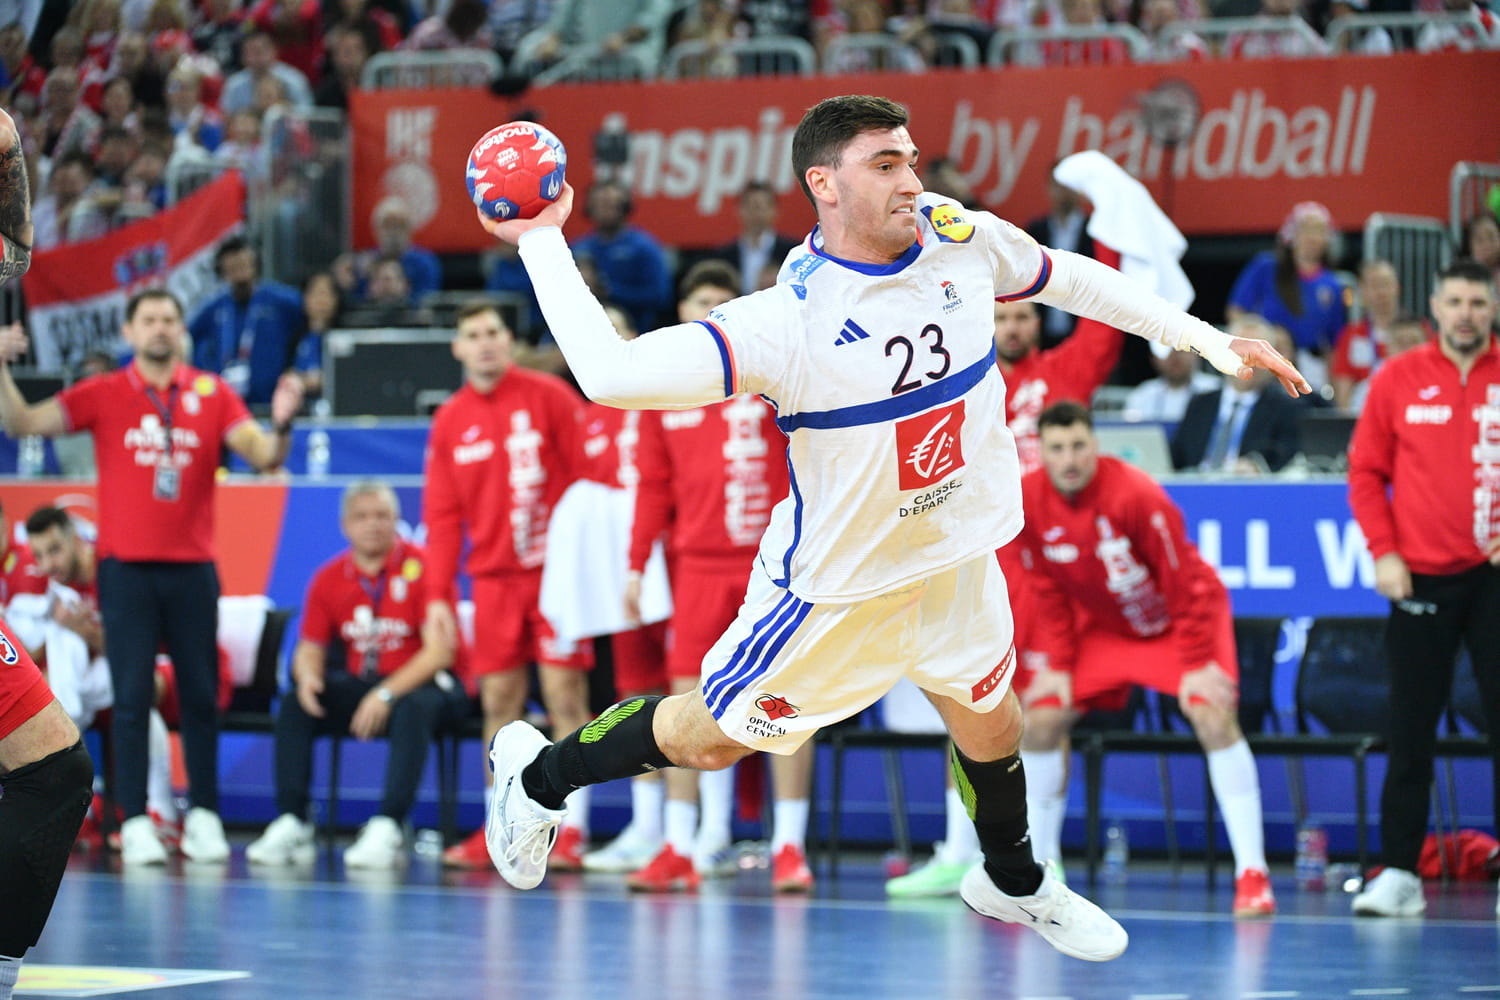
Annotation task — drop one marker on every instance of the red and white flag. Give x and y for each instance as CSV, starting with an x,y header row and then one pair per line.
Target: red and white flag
x,y
76,294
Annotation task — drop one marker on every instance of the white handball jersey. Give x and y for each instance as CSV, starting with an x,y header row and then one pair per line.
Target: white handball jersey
x,y
885,383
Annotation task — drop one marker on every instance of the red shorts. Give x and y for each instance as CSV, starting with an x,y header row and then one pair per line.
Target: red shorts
x,y
704,604
23,689
510,632
1109,665
640,657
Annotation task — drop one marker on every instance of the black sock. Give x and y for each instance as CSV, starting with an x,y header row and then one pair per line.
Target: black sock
x,y
618,744
994,793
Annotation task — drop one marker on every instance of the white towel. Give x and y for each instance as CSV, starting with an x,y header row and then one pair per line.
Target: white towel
x,y
1127,219
588,550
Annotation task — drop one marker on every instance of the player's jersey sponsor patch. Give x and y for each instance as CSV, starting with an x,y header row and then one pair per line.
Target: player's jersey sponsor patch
x,y
929,446
949,223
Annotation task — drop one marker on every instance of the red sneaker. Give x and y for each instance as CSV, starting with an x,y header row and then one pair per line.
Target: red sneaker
x,y
1252,894
90,835
789,871
667,872
470,853
567,851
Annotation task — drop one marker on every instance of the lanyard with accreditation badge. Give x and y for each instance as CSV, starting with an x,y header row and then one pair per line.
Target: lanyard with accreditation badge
x,y
166,484
370,663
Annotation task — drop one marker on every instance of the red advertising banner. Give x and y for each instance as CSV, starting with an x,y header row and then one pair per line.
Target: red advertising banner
x,y
1226,146
77,293
247,522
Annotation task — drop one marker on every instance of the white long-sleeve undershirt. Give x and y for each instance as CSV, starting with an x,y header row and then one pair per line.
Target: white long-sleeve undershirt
x,y
680,366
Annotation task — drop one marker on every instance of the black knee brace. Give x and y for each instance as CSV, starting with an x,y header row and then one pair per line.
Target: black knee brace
x,y
42,806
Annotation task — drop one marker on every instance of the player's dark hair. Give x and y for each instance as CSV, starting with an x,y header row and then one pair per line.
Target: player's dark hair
x,y
476,306
712,273
44,519
1466,269
830,125
147,294
233,245
1065,413
763,187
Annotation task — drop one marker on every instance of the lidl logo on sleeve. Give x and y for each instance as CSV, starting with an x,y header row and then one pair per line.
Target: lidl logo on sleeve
x,y
949,223
203,385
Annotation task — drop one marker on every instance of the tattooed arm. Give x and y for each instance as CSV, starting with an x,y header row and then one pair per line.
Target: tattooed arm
x,y
15,203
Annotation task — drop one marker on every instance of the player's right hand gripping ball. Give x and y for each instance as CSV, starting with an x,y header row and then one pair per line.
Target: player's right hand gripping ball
x,y
515,170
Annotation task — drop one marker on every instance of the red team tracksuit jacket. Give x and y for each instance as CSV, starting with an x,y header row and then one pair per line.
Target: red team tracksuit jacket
x,y
711,475
1115,562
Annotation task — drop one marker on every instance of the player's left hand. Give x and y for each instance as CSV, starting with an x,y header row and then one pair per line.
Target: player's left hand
x,y
286,398
370,717
1211,685
1260,354
1492,551
512,230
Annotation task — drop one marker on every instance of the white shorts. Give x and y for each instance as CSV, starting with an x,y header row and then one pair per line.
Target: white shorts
x,y
787,668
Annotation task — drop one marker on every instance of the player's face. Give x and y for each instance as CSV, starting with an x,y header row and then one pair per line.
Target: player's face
x,y
1017,330
1381,291
484,345
701,301
1465,312
370,525
1070,455
156,333
875,187
56,554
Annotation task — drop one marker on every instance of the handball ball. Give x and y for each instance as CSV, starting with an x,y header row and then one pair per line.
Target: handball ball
x,y
515,170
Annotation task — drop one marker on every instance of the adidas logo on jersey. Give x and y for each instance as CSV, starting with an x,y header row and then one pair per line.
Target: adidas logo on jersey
x,y
850,333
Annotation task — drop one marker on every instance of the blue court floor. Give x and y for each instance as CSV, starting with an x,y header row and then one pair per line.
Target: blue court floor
x,y
322,933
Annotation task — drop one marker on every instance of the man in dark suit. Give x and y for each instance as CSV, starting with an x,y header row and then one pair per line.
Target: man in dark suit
x,y
758,247
1238,427
1065,227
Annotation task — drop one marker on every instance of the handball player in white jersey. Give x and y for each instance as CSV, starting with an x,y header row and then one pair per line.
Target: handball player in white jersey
x,y
876,348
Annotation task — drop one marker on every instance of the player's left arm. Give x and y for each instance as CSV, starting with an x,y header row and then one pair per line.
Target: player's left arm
x,y
265,451
1090,289
1188,584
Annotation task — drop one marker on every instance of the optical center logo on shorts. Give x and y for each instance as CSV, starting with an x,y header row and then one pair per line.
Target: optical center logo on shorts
x,y
776,707
929,446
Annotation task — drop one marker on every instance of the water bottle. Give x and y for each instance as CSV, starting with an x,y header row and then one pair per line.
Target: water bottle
x,y
1312,857
1116,852
317,453
31,457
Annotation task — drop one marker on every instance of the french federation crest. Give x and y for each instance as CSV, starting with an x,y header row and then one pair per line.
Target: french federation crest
x,y
949,223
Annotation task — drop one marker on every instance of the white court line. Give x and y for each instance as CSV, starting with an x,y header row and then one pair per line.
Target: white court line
x,y
1270,994
1160,996
1388,991
1479,989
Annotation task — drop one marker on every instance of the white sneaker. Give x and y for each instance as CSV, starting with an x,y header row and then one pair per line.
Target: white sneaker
x,y
1064,919
517,831
715,860
289,840
203,837
1395,892
139,844
380,845
630,851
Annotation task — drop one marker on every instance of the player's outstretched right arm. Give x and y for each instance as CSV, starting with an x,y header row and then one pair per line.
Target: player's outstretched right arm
x,y
671,368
